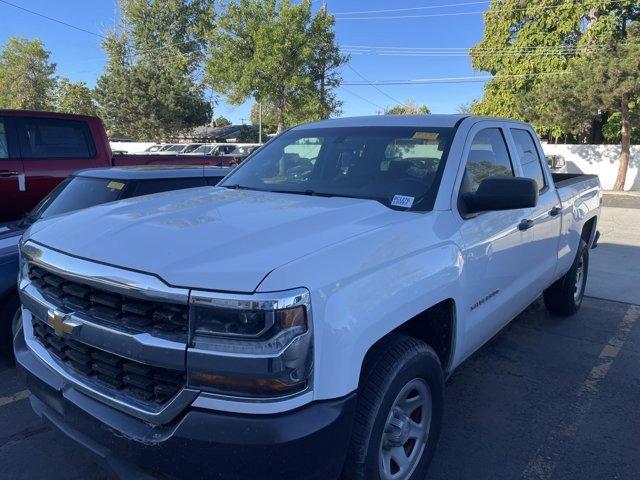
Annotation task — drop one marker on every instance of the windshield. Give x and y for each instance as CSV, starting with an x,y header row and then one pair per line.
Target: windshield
x,y
78,192
203,149
397,166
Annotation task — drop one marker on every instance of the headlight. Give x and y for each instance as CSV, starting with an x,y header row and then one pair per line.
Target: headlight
x,y
250,346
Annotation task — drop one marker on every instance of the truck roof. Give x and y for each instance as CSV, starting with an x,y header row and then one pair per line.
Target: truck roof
x,y
388,121
43,114
150,172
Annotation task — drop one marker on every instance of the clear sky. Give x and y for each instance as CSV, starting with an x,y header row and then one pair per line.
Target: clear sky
x,y
382,49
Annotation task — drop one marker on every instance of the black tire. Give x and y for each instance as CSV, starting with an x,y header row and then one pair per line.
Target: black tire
x,y
564,296
391,367
7,313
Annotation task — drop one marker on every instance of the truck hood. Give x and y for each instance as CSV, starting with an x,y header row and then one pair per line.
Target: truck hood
x,y
211,238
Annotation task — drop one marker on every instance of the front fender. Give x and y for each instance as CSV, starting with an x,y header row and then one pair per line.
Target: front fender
x,y
367,286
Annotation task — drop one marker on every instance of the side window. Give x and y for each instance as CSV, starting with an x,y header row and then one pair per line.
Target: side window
x,y
147,187
4,142
528,156
53,138
488,157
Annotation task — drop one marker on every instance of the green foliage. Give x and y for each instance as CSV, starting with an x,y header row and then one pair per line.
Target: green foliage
x,y
409,108
279,54
248,134
148,89
222,122
612,129
590,85
525,41
26,75
74,97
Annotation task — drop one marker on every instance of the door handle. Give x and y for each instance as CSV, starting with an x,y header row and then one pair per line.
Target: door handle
x,y
555,211
525,224
8,173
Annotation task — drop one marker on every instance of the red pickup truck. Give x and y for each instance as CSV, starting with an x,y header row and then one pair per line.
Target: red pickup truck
x,y
40,149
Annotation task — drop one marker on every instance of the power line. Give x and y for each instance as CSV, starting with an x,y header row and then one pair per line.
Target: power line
x,y
424,81
374,86
430,7
61,22
361,97
455,14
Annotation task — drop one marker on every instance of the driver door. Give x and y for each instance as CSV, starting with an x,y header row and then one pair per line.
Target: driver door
x,y
493,244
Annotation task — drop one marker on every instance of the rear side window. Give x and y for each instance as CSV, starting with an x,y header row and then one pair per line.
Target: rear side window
x,y
488,157
147,187
54,138
4,142
528,156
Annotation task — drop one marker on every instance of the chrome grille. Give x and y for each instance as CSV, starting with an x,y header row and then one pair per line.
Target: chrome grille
x,y
115,310
143,382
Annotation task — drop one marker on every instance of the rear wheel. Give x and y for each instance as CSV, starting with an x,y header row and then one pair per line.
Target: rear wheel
x,y
564,296
399,412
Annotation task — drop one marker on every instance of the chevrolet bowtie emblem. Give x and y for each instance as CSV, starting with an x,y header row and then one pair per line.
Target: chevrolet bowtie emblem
x,y
61,322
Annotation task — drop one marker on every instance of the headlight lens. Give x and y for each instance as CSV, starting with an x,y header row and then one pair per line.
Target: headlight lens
x,y
251,347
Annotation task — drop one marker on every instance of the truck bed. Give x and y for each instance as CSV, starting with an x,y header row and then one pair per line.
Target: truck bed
x,y
566,179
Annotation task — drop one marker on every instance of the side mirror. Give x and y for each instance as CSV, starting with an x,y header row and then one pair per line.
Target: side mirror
x,y
502,193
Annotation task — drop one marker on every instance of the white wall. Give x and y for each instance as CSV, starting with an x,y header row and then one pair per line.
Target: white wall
x,y
601,160
131,147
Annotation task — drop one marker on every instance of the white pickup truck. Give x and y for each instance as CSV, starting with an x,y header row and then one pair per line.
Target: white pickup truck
x,y
299,321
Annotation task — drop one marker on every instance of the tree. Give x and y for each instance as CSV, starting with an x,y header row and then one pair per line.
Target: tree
x,y
148,89
601,81
222,121
277,53
526,42
409,108
27,78
73,97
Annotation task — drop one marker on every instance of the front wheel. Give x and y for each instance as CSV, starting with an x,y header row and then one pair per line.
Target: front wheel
x,y
564,296
399,413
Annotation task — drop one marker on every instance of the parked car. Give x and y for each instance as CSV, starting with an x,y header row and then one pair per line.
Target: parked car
x,y
214,149
180,149
300,326
40,149
240,153
84,189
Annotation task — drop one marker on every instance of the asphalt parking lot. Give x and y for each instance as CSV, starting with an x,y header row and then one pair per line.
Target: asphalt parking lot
x,y
547,398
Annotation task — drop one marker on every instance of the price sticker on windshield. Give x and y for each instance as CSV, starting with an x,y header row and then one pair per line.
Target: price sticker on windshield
x,y
402,201
115,185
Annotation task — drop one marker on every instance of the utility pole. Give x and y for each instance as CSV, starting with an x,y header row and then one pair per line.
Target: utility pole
x,y
259,122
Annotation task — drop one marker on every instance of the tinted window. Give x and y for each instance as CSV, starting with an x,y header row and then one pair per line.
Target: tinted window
x,y
53,138
79,192
353,162
213,180
147,187
488,157
528,156
4,143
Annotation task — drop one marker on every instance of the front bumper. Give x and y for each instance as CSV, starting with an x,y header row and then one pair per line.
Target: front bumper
x,y
307,443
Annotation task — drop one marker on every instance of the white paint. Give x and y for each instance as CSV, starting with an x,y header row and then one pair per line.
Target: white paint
x,y
542,465
601,160
21,395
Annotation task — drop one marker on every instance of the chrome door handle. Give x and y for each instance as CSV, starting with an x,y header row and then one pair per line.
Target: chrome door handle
x,y
525,224
8,173
555,211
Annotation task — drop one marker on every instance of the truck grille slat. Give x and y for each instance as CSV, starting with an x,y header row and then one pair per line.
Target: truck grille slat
x,y
151,384
115,310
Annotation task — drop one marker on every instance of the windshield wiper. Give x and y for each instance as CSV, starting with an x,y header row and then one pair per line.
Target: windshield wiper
x,y
237,186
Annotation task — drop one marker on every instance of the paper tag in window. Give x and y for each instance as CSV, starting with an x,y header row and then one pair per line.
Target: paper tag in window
x,y
402,201
425,136
115,185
